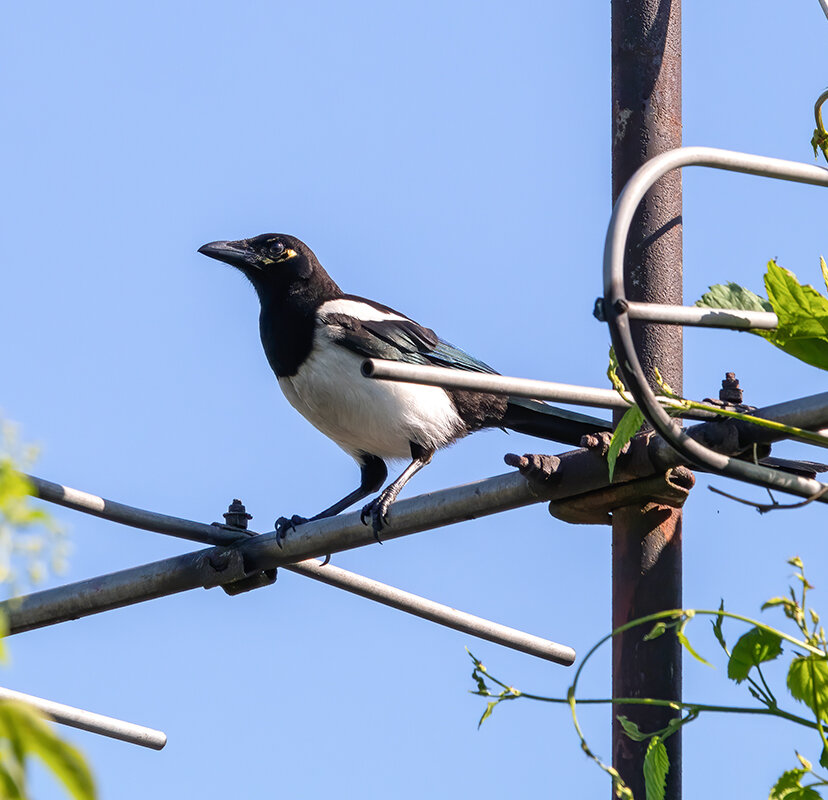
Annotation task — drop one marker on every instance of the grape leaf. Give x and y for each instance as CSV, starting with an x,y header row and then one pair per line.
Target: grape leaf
x,y
803,317
753,648
731,295
717,627
808,683
802,311
631,729
629,425
788,787
656,767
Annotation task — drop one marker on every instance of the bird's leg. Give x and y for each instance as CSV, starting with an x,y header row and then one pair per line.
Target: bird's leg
x,y
372,475
377,509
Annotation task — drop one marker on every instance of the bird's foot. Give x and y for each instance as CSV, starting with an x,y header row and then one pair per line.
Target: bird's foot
x,y
377,512
283,525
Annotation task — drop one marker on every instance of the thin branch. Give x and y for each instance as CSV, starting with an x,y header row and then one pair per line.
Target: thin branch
x,y
764,508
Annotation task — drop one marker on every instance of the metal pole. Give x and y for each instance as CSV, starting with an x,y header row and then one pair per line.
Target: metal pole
x,y
223,565
89,721
580,471
646,543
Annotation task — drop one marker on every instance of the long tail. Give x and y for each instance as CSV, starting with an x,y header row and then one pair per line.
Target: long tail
x,y
560,425
549,422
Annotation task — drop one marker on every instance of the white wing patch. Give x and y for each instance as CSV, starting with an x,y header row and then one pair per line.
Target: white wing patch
x,y
353,308
362,415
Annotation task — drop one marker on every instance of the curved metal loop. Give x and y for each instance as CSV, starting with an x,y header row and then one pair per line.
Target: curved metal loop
x,y
616,304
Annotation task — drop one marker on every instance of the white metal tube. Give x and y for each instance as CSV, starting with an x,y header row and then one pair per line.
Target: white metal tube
x,y
702,317
501,384
498,384
616,304
89,721
435,612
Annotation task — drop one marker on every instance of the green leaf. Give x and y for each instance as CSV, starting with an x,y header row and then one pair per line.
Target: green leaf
x,y
802,311
753,648
10,789
731,295
823,757
777,601
612,372
656,767
657,630
796,304
717,627
631,729
33,736
488,712
685,642
819,141
824,267
788,787
808,683
803,317
804,761
629,425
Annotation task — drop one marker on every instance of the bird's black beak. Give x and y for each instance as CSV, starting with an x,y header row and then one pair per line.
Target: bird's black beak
x,y
238,254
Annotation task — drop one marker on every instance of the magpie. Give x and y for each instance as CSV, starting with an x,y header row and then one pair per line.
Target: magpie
x,y
315,338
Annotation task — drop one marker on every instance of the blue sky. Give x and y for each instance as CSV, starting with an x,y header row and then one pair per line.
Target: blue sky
x,y
451,160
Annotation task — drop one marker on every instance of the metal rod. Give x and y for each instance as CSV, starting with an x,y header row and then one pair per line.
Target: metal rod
x,y
134,517
583,471
435,612
646,541
209,567
702,317
809,413
334,576
615,302
500,384
148,579
576,395
89,721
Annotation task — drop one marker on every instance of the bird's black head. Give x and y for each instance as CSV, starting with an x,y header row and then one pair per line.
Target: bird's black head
x,y
268,258
291,285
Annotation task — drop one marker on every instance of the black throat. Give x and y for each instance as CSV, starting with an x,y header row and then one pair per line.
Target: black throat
x,y
288,318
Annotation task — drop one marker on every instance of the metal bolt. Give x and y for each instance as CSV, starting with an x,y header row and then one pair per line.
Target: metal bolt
x,y
730,391
236,515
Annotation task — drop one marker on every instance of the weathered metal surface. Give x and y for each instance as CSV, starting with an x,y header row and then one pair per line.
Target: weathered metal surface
x,y
646,541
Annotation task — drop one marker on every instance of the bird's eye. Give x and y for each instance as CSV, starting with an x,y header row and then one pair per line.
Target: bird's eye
x,y
277,248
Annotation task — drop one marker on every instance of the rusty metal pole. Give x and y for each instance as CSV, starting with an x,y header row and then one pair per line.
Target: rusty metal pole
x,y
646,542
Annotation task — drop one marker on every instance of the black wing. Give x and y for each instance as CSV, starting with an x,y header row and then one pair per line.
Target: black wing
x,y
399,339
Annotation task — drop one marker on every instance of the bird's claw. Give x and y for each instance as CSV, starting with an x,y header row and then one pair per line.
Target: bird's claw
x,y
283,525
377,511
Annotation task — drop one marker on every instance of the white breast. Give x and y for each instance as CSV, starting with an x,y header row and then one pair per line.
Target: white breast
x,y
363,415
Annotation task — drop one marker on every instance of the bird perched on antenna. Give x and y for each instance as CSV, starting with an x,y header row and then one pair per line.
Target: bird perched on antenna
x,y
315,338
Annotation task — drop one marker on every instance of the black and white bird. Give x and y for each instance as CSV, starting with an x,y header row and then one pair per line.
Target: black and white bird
x,y
316,337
